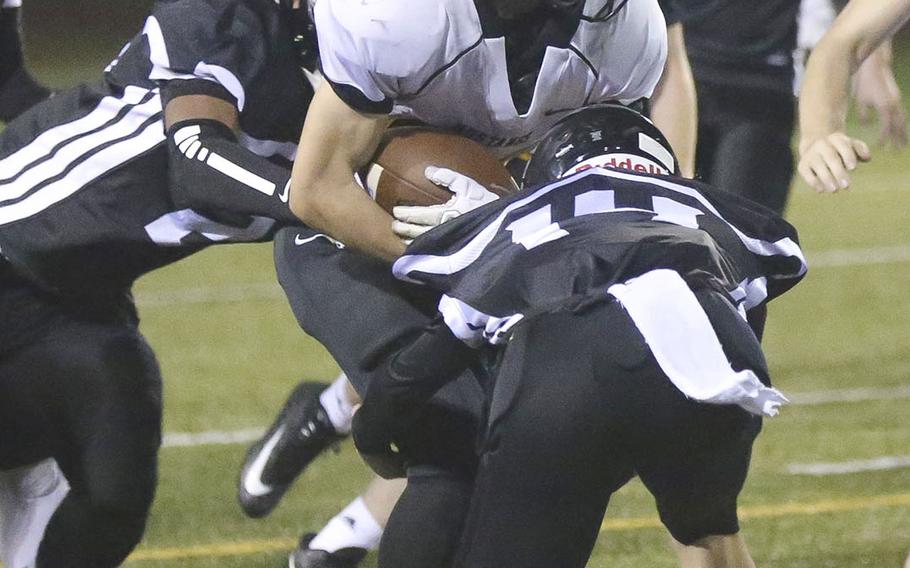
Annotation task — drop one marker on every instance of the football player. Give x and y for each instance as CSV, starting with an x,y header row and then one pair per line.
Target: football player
x,y
186,143
616,301
18,89
322,279
501,72
827,154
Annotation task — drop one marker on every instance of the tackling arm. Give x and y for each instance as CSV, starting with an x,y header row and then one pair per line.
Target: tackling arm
x,y
209,170
394,401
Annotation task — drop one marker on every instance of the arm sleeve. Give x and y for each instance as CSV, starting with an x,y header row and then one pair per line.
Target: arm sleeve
x,y
210,171
433,359
225,43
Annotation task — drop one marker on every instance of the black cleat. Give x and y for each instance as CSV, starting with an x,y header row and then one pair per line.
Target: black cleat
x,y
305,557
18,93
301,432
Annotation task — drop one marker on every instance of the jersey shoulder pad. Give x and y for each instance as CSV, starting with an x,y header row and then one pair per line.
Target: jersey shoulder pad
x,y
394,38
225,41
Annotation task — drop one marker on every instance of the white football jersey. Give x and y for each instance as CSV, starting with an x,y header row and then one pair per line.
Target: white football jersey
x,y
431,60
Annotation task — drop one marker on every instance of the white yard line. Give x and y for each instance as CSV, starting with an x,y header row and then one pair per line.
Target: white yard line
x,y
258,291
859,256
808,398
211,438
210,295
853,466
882,463
248,435
819,469
813,398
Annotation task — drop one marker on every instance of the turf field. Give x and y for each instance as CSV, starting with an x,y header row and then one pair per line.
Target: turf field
x,y
839,343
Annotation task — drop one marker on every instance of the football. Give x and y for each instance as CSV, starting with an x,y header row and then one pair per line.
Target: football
x,y
396,174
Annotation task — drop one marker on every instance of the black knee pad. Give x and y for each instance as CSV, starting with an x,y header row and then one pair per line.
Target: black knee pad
x,y
688,525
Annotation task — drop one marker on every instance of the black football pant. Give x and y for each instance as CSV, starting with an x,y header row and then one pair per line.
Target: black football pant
x,y
579,407
744,142
79,383
362,315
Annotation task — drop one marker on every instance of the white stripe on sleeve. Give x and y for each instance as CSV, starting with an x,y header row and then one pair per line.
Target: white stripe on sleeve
x,y
242,175
44,144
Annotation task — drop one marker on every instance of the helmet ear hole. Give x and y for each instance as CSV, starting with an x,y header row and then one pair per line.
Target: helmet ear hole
x,y
606,136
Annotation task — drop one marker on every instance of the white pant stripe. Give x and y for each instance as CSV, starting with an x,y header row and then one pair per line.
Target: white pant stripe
x,y
79,148
96,165
14,164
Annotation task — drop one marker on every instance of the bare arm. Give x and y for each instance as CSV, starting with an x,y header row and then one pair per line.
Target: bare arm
x,y
826,153
876,92
335,142
189,107
674,109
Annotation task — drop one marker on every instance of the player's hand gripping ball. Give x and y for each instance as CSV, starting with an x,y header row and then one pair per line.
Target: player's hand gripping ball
x,y
424,177
373,437
414,220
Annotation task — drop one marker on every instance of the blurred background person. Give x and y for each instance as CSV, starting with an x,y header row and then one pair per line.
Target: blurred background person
x,y
746,62
861,33
741,56
827,153
18,89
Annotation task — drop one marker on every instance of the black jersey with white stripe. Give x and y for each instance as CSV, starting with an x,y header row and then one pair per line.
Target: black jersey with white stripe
x,y
242,45
544,246
84,189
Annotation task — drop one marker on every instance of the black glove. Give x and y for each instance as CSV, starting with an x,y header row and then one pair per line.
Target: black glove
x,y
373,434
395,399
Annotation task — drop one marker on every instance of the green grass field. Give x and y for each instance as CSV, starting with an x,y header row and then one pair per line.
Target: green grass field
x,y
230,352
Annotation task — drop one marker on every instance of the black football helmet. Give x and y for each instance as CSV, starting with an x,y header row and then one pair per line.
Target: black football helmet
x,y
611,135
303,31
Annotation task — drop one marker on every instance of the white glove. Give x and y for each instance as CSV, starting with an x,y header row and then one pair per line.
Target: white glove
x,y
413,221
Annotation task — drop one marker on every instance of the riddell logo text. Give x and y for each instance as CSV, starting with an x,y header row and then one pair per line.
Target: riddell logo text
x,y
636,164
